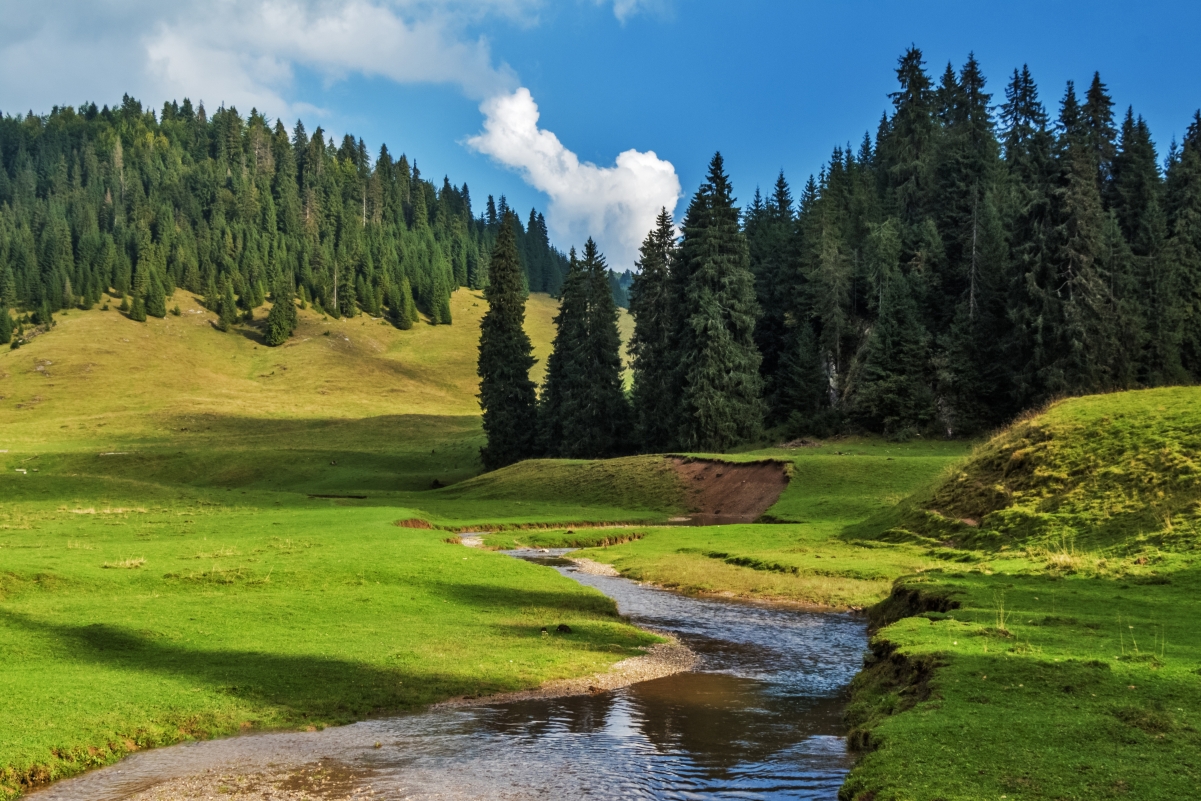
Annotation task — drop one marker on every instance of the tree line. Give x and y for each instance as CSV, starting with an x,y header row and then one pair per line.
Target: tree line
x,y
123,201
967,262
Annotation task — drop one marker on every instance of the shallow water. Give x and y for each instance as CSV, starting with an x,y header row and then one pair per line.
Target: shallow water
x,y
759,719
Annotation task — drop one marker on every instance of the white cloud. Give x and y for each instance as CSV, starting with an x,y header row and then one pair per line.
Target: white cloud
x,y
615,205
241,52
246,53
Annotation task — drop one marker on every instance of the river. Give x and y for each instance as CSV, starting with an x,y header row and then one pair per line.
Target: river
x,y
760,718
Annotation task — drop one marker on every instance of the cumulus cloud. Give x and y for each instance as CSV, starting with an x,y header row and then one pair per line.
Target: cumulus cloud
x,y
614,205
242,52
246,53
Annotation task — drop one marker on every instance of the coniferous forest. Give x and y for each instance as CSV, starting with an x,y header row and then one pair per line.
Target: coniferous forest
x,y
976,257
125,201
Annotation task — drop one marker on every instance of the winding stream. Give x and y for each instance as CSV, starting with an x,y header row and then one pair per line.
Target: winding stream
x,y
759,719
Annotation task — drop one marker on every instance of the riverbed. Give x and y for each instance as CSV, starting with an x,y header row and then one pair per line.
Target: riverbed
x,y
758,718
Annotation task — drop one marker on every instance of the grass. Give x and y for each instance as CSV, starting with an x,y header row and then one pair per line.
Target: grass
x,y
1033,602
1065,660
804,560
198,536
166,574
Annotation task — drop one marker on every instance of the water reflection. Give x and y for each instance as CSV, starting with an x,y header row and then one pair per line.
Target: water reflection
x,y
759,719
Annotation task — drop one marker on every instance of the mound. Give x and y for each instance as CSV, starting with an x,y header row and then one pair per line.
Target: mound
x,y
1097,471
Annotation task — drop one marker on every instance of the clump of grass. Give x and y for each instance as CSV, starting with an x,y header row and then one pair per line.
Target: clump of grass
x,y
126,564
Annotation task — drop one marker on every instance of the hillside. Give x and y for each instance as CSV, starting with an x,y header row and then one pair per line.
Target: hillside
x,y
394,409
1118,470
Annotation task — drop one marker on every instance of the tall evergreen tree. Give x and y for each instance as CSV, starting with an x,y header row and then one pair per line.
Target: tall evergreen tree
x,y
652,344
720,387
771,234
507,395
584,413
156,298
6,324
282,319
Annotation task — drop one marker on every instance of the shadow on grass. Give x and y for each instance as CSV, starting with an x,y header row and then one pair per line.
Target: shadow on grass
x,y
297,687
565,602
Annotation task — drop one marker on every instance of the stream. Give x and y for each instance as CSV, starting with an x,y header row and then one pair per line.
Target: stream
x,y
760,718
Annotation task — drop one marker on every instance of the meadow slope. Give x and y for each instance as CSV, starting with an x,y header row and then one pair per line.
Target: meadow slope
x,y
172,566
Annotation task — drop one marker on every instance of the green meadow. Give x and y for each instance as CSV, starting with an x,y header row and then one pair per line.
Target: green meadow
x,y
1033,603
166,573
198,536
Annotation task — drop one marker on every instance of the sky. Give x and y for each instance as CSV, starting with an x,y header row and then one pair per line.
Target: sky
x,y
598,112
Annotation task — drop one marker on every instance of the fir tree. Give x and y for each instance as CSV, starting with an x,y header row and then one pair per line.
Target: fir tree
x,y
156,299
227,310
507,395
6,324
720,387
890,395
282,319
652,344
137,312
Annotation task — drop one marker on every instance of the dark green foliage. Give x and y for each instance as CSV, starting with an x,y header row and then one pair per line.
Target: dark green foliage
x,y
960,269
156,299
584,413
282,319
6,324
507,395
720,403
137,312
93,199
227,310
652,345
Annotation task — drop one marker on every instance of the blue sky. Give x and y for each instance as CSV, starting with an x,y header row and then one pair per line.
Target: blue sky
x,y
771,84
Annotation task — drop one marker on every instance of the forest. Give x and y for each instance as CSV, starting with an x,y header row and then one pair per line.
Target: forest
x,y
974,260
122,200
968,263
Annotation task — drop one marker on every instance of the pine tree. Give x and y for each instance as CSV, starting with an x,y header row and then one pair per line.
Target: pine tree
x,y
227,309
1184,246
282,319
137,312
890,395
1157,288
771,233
720,396
507,394
584,413
6,324
652,345
156,299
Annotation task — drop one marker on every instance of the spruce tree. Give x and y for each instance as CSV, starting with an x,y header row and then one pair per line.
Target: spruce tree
x,y
227,309
771,233
156,299
282,319
652,344
507,394
137,312
720,387
891,396
1184,246
6,324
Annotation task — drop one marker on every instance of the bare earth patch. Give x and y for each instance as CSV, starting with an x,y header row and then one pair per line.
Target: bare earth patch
x,y
730,493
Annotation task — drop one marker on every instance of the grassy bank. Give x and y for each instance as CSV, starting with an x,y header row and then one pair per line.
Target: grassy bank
x,y
805,560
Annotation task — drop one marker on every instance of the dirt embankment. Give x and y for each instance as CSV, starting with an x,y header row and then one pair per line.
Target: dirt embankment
x,y
726,492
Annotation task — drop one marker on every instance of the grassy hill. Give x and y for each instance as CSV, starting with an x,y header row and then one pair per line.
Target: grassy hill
x,y
165,572
1121,471
1057,651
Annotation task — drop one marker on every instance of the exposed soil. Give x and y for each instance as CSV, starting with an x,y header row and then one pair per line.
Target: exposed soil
x,y
725,492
